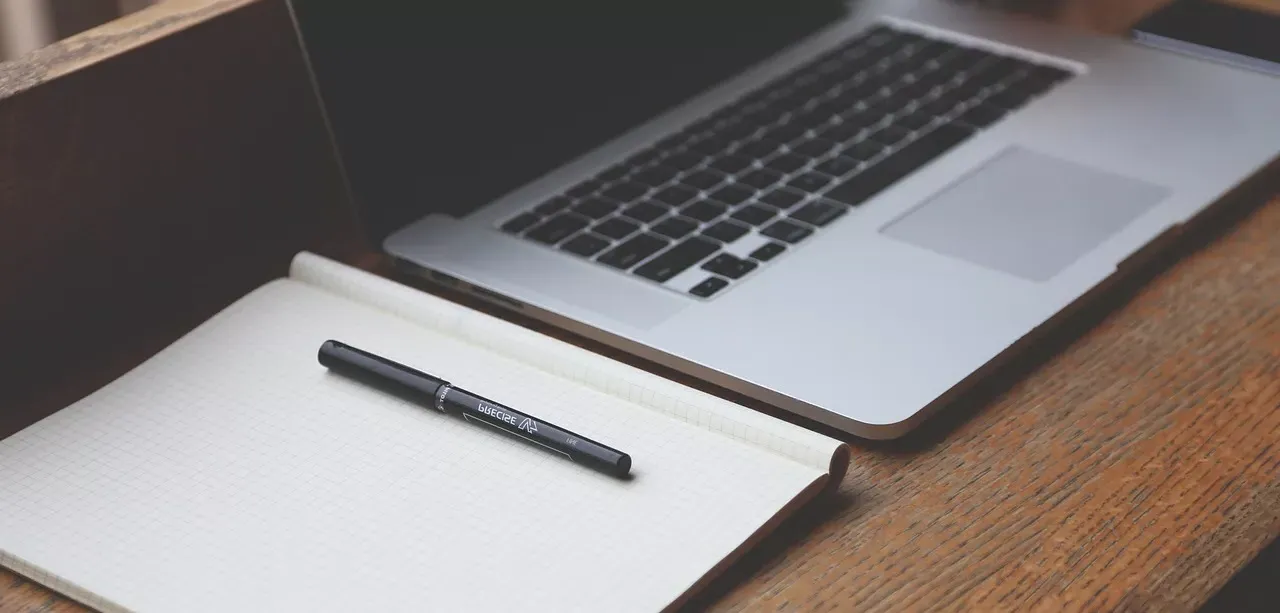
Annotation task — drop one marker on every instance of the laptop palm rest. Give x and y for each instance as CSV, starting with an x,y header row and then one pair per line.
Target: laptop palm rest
x,y
1026,213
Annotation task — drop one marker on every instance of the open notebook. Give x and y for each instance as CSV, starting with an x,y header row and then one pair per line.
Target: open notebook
x,y
232,472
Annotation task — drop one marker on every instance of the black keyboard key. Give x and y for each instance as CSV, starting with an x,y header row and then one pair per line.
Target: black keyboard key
x,y
866,90
729,266
683,160
838,166
1007,99
630,253
810,181
759,113
819,212
768,252
616,228
809,87
861,120
732,194
557,228
625,191
761,178
552,205
673,142
981,116
676,195
754,214
739,130
998,69
1049,73
887,105
816,147
890,135
879,176
932,48
787,163
950,134
786,231
613,173
964,58
908,61
521,222
711,144
677,259
675,227
645,211
704,210
914,121
1030,86
841,132
585,244
935,79
725,231
595,208
760,148
709,287
865,151
941,106
644,156
810,120
730,164
826,109
655,176
916,89
785,133
849,98
968,90
782,199
584,189
703,179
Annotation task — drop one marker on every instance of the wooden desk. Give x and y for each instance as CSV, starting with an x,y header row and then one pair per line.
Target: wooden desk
x,y
1131,462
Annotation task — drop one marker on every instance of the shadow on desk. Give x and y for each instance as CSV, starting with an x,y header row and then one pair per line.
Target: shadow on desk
x,y
1254,589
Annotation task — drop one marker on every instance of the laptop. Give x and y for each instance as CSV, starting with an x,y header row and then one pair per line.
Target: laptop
x,y
844,210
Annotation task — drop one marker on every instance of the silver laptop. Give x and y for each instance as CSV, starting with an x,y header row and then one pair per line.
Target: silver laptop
x,y
842,210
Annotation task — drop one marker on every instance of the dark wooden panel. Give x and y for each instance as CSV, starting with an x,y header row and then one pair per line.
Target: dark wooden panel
x,y
151,185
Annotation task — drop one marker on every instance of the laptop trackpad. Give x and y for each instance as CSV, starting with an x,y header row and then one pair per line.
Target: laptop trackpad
x,y
1026,213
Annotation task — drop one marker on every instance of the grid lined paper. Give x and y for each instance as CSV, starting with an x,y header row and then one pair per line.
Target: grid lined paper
x,y
233,473
568,361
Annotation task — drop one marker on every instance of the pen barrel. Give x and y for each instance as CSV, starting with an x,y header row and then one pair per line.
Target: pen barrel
x,y
512,422
384,374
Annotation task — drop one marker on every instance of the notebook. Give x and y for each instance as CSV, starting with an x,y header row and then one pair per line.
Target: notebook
x,y
233,472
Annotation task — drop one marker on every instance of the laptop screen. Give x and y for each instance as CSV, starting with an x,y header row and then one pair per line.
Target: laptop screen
x,y
444,106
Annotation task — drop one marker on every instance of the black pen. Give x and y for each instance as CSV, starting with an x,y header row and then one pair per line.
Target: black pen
x,y
420,387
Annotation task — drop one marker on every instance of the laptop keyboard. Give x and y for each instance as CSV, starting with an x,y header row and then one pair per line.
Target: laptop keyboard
x,y
707,206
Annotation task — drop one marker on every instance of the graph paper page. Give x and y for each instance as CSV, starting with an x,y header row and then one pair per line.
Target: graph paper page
x,y
232,472
564,360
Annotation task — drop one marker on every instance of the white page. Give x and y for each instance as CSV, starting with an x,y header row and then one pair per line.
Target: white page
x,y
233,473
562,359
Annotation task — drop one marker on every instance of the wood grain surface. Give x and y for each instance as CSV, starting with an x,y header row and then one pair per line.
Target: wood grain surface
x,y
1130,461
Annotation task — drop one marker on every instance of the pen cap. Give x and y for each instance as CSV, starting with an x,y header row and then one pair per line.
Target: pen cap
x,y
380,372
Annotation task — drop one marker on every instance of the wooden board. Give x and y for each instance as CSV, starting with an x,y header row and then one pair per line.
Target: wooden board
x,y
1129,462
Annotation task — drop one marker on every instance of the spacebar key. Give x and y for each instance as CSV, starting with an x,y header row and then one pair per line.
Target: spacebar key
x,y
677,259
862,186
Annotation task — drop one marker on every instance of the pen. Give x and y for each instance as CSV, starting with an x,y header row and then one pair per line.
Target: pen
x,y
439,394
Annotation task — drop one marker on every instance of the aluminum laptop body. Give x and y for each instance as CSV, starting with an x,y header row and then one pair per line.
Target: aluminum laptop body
x,y
894,298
